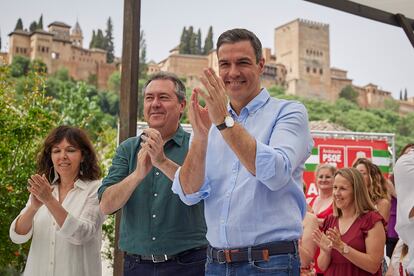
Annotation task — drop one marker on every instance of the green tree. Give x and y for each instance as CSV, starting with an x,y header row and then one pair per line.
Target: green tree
x,y
183,47
19,66
77,108
23,125
405,95
191,40
349,93
19,25
391,104
199,49
33,26
401,95
109,41
93,40
99,41
208,43
142,56
92,80
109,102
62,74
40,22
276,91
38,65
114,82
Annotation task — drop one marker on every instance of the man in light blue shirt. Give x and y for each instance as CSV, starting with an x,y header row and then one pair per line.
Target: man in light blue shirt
x,y
248,166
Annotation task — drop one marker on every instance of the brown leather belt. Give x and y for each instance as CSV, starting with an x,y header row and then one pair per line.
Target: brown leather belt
x,y
254,253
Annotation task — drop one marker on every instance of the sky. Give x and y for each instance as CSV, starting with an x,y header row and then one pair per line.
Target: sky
x,y
371,52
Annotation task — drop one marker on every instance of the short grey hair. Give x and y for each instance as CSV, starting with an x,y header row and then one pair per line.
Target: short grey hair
x,y
237,35
162,75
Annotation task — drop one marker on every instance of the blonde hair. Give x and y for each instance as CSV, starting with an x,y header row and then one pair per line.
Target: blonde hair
x,y
362,200
377,186
322,166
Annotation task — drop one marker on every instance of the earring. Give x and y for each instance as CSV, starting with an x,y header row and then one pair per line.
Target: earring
x,y
80,169
55,175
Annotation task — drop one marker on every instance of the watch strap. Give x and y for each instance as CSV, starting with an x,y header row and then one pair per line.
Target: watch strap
x,y
221,126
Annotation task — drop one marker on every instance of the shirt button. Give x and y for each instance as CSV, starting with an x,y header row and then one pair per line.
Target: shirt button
x,y
155,194
157,173
153,238
154,216
54,223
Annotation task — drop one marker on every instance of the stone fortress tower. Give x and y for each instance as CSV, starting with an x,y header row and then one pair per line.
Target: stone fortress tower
x,y
303,47
61,47
76,35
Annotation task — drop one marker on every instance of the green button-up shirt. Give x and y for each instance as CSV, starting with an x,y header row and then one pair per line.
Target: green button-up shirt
x,y
154,219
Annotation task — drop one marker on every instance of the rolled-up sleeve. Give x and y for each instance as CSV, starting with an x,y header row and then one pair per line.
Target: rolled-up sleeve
x,y
289,146
118,170
17,238
79,230
189,199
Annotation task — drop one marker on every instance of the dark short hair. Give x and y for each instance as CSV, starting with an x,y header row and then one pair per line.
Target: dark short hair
x,y
162,75
237,35
79,139
410,145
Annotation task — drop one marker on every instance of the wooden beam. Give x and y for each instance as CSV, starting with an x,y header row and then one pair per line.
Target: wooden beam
x,y
363,11
408,29
128,108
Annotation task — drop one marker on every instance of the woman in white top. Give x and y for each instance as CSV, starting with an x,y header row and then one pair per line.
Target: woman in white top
x,y
62,215
398,263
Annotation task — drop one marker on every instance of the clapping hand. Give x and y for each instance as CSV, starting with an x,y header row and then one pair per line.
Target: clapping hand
x,y
144,164
322,240
334,236
215,97
153,144
199,117
40,189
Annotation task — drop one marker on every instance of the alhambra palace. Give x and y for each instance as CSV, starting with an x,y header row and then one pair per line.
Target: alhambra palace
x,y
301,64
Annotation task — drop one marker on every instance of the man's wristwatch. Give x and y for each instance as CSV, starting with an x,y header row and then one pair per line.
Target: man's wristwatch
x,y
345,249
228,123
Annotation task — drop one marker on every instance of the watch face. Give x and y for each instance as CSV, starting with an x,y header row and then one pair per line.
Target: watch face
x,y
229,121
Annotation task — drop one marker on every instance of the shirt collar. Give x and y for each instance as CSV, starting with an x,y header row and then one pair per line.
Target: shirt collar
x,y
179,135
254,104
79,183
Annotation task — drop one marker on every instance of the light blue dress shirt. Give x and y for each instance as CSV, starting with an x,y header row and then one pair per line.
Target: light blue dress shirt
x,y
242,209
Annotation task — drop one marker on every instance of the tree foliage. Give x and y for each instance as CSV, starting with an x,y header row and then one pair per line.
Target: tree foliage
x,y
23,125
208,43
40,22
104,42
142,56
92,42
33,26
349,93
19,66
109,41
19,25
191,42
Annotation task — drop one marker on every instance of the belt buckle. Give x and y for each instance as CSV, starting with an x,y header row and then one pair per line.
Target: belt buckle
x,y
218,256
159,258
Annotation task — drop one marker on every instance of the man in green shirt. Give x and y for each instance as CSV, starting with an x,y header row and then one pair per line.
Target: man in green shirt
x,y
159,234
